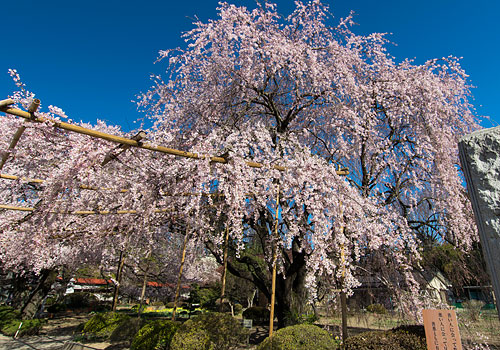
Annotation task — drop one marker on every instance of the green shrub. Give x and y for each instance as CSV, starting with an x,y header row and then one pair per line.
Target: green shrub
x,y
135,308
10,319
127,329
170,305
238,308
55,308
259,315
293,318
299,337
473,308
50,300
224,333
194,338
103,325
29,327
8,313
156,335
376,309
388,340
415,329
80,300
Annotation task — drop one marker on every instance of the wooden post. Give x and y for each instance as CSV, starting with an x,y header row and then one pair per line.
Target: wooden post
x,y
183,257
121,262
143,292
343,296
144,284
275,258
224,272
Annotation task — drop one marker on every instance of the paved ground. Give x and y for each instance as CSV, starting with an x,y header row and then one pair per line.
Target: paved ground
x,y
56,335
44,342
33,342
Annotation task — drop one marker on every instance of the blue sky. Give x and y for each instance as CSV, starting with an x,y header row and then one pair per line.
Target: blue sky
x,y
92,57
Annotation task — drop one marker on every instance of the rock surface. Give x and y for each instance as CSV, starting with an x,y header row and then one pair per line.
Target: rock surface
x,y
480,158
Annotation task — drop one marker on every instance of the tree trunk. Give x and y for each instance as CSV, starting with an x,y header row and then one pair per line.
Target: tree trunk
x,y
20,290
36,297
291,295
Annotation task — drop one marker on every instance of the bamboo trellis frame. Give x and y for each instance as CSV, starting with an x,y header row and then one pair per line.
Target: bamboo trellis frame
x,y
127,141
15,139
5,107
85,212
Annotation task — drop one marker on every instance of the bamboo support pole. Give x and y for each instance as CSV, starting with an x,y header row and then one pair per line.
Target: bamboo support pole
x,y
14,177
343,295
32,109
183,258
131,142
123,190
224,272
275,258
144,285
143,293
119,271
84,212
6,103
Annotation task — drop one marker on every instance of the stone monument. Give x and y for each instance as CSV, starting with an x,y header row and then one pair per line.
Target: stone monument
x,y
480,158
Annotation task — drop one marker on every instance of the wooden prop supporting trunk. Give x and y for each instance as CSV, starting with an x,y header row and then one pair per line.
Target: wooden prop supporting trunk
x,y
275,258
178,289
121,262
143,292
224,272
343,295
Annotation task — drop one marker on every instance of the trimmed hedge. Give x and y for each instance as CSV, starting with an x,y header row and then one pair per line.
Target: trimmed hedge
x,y
376,309
388,340
299,337
127,329
29,327
102,326
415,329
193,338
10,319
259,315
223,332
156,335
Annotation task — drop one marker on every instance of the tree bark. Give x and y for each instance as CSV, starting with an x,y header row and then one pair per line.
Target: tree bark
x,y
36,297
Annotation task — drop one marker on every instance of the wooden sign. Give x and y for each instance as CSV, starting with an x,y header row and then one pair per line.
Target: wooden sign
x,y
247,323
441,330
